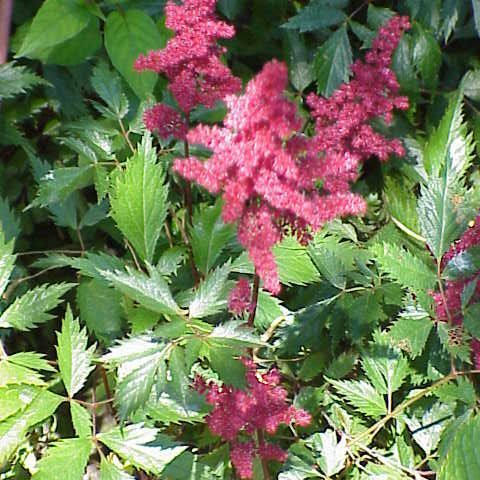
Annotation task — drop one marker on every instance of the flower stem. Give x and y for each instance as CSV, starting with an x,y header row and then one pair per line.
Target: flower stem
x,y
254,302
261,441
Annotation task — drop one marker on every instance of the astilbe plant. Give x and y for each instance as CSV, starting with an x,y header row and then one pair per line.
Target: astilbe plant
x,y
268,171
261,408
448,302
192,64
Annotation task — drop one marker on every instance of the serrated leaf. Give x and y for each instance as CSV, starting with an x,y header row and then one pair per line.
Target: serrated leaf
x,y
171,260
427,55
386,368
110,471
74,358
210,297
12,374
427,430
70,18
300,67
142,447
235,334
317,15
7,262
65,460
9,224
95,214
16,80
332,62
127,35
32,360
152,291
15,398
230,370
209,236
100,309
411,334
56,185
404,267
329,264
362,396
447,156
14,429
108,86
470,320
81,419
30,310
333,453
139,200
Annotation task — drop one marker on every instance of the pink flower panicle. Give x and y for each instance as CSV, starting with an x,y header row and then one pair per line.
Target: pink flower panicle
x,y
268,171
239,299
452,306
166,121
191,59
262,406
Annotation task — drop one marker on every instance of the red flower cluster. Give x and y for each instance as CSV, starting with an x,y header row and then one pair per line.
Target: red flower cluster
x,y
262,407
269,171
239,300
191,59
452,306
166,121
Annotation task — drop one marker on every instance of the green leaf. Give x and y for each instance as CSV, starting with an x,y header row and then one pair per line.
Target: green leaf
x,y
58,184
317,15
7,262
109,471
470,320
14,429
152,291
427,55
427,430
66,460
139,200
16,80
108,86
12,374
74,358
209,236
329,264
411,334
362,396
471,84
464,264
211,295
69,19
171,260
230,370
235,334
30,310
333,453
15,398
404,267
9,224
32,360
142,447
300,67
81,419
127,35
100,309
332,62
447,156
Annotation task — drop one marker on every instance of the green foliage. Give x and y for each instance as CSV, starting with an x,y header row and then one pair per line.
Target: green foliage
x,y
16,79
139,200
317,15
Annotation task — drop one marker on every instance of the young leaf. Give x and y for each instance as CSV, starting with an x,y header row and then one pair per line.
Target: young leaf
x,y
362,396
100,309
209,236
110,471
211,295
66,460
142,447
127,35
402,266
74,358
139,200
332,62
81,419
16,79
31,308
152,291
